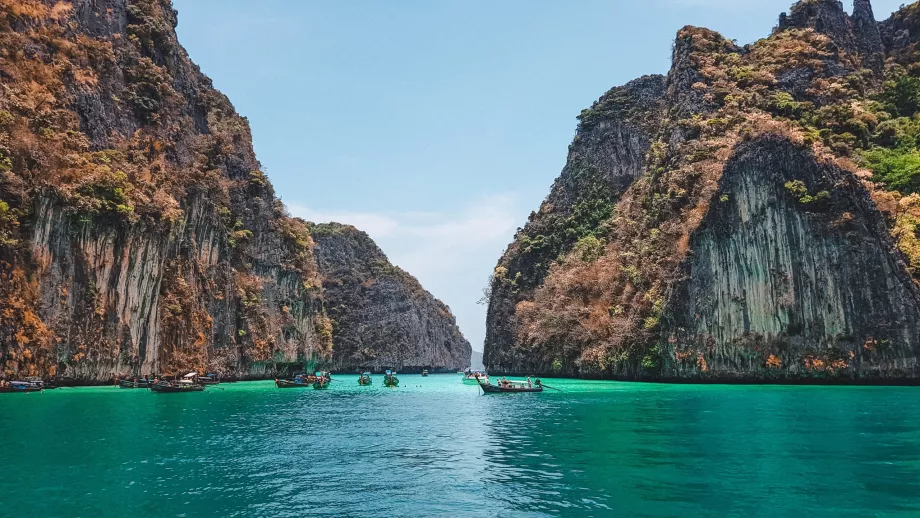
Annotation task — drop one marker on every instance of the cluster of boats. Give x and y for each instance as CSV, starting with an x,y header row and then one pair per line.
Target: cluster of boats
x,y
191,382
26,385
321,379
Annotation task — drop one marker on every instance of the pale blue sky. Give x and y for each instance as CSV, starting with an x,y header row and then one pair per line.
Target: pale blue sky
x,y
435,125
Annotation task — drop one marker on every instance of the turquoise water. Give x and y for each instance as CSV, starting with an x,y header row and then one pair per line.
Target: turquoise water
x,y
434,446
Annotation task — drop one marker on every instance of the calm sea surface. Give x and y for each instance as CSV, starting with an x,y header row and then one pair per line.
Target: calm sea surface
x,y
434,446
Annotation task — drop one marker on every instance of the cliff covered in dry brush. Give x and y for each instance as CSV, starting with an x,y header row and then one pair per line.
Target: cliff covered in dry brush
x,y
138,233
752,216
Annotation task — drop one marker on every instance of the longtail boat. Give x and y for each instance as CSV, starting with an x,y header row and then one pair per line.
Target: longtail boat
x,y
390,379
322,380
506,386
20,386
209,379
134,383
473,377
425,373
35,381
183,385
295,382
365,379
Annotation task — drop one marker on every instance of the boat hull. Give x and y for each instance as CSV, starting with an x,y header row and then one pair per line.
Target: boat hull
x,y
133,384
489,388
160,387
13,390
294,384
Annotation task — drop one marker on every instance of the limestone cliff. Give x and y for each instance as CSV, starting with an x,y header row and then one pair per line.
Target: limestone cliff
x,y
382,317
137,231
768,233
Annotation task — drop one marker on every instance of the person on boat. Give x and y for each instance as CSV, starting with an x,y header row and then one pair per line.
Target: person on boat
x,y
529,383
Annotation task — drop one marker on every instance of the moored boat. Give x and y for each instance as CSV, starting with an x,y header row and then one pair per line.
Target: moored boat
x,y
365,379
209,379
507,386
132,383
300,380
425,373
183,385
390,379
19,386
322,380
471,377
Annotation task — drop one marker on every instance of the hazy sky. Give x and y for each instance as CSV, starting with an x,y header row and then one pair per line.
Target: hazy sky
x,y
436,125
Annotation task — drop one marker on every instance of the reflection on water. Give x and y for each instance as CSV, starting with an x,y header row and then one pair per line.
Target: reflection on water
x,y
435,446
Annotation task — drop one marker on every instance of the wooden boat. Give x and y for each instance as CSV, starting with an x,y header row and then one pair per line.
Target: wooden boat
x,y
295,382
390,380
365,379
506,386
473,377
321,384
209,379
35,381
425,373
134,383
20,386
176,386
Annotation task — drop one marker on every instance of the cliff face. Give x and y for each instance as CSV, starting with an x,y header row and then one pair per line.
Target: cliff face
x,y
137,232
606,157
770,232
382,317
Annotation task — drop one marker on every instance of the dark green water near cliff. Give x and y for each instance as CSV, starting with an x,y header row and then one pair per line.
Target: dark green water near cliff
x,y
434,446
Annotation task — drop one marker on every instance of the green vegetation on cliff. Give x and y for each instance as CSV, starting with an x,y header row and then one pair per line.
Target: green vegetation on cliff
x,y
138,233
841,89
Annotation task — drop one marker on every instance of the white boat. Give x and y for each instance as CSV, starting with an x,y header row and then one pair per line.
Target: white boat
x,y
473,377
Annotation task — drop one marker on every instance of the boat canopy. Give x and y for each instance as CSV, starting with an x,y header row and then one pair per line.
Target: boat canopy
x,y
190,375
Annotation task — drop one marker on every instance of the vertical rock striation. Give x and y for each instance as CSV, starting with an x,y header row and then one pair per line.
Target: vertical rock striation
x,y
137,231
768,232
382,317
607,155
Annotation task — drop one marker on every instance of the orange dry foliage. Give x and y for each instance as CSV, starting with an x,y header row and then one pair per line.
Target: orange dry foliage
x,y
773,362
26,343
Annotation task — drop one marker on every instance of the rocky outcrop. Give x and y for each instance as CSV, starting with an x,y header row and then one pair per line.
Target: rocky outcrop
x,y
138,234
382,318
606,157
774,277
765,236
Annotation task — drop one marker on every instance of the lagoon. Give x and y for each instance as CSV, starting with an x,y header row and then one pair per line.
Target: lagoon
x,y
434,446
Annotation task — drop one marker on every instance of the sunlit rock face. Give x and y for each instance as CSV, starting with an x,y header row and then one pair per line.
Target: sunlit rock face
x,y
745,237
382,317
138,234
771,273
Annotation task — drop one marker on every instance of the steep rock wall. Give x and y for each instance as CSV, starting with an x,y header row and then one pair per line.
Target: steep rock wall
x,y
765,238
776,285
605,158
138,234
382,317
